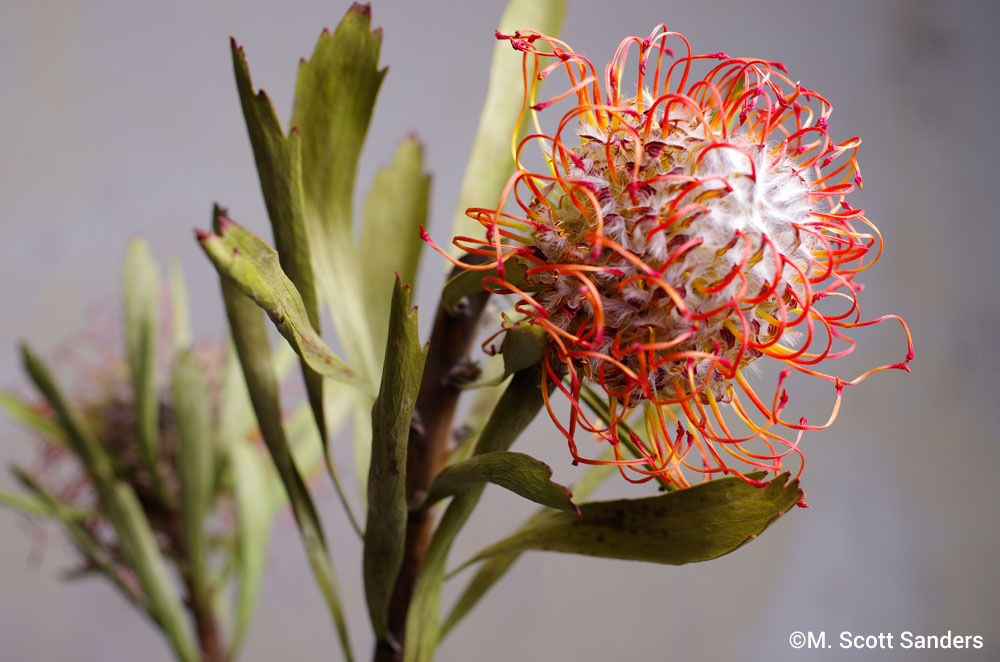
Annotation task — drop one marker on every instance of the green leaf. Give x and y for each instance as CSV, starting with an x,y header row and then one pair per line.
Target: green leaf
x,y
279,167
122,507
334,97
23,504
491,162
523,346
469,282
82,537
698,523
395,209
144,555
254,517
385,528
249,332
92,455
180,314
493,568
518,405
361,446
236,417
141,284
31,419
521,474
195,459
252,266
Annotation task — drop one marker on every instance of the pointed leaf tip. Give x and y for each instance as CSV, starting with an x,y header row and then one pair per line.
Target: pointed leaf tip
x,y
517,472
690,525
253,268
363,8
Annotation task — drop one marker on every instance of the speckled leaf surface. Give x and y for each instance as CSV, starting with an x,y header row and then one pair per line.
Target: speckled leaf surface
x,y
695,524
385,528
521,474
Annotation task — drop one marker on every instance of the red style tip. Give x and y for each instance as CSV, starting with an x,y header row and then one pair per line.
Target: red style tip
x,y
364,9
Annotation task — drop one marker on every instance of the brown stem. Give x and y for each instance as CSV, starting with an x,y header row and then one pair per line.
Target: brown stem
x,y
198,603
209,636
430,436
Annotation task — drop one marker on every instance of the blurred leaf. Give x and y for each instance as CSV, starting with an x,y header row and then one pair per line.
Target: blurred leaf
x,y
385,528
523,346
395,209
28,417
235,419
254,517
361,443
252,267
81,537
195,459
341,401
468,282
493,568
144,554
303,438
491,161
120,504
250,337
180,314
334,97
141,283
518,405
92,455
521,474
698,523
23,504
279,167
306,449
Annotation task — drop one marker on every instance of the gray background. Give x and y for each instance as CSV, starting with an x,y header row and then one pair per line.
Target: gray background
x,y
121,118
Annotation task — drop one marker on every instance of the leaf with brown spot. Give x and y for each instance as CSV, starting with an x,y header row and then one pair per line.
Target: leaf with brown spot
x,y
694,524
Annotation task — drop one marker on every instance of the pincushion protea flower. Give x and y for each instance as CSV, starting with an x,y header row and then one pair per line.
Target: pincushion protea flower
x,y
689,229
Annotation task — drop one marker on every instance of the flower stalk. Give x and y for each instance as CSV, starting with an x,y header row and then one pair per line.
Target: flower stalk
x,y
452,337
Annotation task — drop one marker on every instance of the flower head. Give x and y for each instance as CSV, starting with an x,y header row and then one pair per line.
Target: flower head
x,y
679,231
